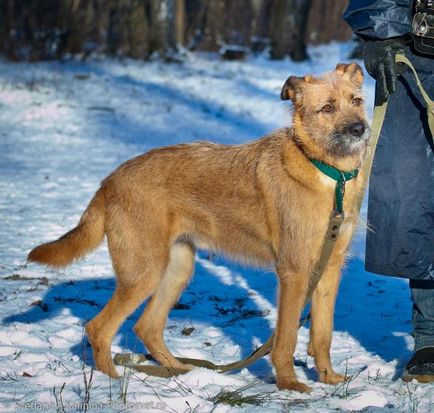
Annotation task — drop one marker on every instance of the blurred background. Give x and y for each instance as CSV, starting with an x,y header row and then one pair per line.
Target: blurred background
x,y
142,29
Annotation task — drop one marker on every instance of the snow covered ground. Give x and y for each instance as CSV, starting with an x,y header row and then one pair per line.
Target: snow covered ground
x,y
64,127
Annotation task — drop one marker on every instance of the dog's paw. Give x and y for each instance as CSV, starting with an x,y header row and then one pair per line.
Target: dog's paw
x,y
112,372
287,384
106,366
104,363
332,378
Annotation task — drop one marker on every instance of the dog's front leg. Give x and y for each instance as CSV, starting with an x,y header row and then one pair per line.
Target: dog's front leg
x,y
292,293
322,311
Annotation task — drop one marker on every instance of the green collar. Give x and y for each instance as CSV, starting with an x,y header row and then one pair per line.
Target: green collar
x,y
340,177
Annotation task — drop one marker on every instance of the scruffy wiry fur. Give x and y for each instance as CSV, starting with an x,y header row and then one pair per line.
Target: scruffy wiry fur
x,y
263,202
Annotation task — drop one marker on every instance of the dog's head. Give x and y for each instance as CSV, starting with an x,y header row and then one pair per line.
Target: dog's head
x,y
329,114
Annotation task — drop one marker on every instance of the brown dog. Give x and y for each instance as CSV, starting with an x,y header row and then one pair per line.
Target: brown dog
x,y
262,202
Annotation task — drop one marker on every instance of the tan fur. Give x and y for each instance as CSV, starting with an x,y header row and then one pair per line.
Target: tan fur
x,y
85,237
262,202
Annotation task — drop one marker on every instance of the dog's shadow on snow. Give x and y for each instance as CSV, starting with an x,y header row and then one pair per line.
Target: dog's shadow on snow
x,y
236,301
217,297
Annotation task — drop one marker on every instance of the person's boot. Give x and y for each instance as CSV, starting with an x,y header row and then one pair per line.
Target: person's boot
x,y
420,367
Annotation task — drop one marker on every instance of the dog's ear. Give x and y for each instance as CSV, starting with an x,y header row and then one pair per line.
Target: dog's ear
x,y
291,87
353,70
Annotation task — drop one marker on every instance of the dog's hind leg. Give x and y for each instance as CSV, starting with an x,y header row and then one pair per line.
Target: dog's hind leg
x,y
103,327
150,326
139,264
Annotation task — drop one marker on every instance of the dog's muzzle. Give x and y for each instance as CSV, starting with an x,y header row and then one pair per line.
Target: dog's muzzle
x,y
349,140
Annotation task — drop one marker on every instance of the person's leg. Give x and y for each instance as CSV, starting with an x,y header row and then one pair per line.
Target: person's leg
x,y
421,365
422,294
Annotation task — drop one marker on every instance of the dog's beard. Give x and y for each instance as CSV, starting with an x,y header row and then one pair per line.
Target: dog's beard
x,y
345,144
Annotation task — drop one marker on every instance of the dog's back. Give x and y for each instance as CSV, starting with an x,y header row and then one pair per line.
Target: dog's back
x,y
209,193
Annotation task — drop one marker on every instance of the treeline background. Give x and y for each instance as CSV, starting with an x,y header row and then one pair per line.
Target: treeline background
x,y
58,29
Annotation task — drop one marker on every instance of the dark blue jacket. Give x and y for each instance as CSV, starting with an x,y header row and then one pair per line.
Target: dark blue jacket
x,y
400,237
379,19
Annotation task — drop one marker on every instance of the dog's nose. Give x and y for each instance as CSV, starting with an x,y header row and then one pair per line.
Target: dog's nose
x,y
357,129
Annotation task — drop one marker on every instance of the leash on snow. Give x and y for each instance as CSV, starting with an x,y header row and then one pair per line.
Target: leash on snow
x,y
136,361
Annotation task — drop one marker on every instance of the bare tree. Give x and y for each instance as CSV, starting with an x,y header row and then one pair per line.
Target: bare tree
x,y
261,10
167,25
238,22
321,30
180,22
212,30
127,33
288,29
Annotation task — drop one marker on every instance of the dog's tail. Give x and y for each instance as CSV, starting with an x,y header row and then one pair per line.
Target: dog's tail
x,y
84,238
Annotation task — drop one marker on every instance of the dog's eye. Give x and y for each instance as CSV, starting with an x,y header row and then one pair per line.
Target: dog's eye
x,y
357,101
328,108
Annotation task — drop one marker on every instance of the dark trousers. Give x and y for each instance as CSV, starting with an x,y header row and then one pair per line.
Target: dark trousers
x,y
422,294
